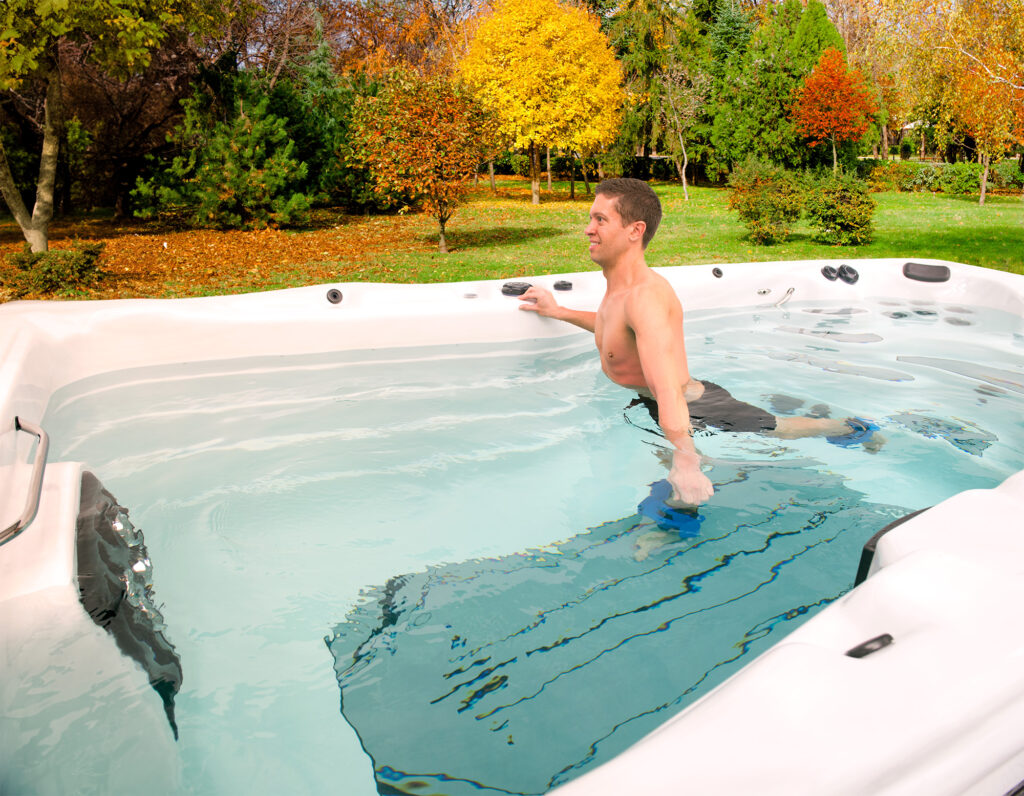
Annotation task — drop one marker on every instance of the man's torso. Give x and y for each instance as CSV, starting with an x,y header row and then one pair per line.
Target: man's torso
x,y
616,343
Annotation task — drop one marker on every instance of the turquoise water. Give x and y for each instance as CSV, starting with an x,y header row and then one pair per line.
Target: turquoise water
x,y
460,526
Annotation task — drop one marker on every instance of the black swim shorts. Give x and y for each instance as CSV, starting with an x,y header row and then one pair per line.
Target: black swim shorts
x,y
716,408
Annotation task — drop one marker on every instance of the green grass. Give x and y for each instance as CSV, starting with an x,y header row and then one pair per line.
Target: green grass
x,y
505,236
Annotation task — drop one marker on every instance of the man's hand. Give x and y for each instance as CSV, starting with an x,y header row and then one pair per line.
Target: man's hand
x,y
690,487
539,300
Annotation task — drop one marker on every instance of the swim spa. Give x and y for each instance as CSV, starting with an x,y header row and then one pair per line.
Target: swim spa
x,y
182,411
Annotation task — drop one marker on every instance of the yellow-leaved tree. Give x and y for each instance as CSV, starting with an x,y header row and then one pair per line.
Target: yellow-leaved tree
x,y
549,77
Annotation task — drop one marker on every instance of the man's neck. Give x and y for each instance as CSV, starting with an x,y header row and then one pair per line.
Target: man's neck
x,y
624,272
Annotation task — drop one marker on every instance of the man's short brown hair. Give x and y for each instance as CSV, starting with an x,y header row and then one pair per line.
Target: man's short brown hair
x,y
636,201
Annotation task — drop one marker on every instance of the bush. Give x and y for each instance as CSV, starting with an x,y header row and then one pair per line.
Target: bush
x,y
906,150
62,272
512,163
926,178
767,199
891,175
1006,174
961,178
239,173
840,208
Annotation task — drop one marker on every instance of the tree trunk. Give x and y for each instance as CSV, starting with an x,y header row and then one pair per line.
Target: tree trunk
x,y
572,174
885,142
835,159
682,169
549,169
534,174
35,228
986,159
442,244
490,171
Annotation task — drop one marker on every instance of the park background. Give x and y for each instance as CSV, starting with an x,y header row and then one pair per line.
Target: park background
x,y
192,147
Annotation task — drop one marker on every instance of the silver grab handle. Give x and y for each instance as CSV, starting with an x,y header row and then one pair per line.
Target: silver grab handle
x,y
784,299
35,488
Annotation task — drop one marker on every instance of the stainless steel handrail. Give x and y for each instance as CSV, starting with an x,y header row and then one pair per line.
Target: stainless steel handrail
x,y
784,299
35,488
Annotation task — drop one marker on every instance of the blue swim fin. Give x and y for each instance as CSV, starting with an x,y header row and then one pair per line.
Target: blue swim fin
x,y
860,431
669,518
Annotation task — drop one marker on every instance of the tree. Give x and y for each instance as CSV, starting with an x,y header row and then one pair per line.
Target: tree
x,y
425,137
378,35
973,49
833,103
683,89
755,91
547,74
641,32
238,172
118,35
985,110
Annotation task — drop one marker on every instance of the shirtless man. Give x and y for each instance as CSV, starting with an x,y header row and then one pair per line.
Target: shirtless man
x,y
638,329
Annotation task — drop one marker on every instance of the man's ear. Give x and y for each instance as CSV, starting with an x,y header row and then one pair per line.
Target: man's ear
x,y
637,230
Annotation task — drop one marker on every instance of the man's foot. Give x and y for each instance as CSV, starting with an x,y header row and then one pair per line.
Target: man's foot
x,y
862,432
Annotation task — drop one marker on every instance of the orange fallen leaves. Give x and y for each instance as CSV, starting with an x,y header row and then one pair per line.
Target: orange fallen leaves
x,y
146,261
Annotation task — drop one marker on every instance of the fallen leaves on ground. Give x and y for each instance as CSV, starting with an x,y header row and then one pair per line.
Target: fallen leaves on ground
x,y
146,261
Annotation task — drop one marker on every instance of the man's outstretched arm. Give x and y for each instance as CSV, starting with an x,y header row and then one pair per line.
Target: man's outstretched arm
x,y
656,320
539,300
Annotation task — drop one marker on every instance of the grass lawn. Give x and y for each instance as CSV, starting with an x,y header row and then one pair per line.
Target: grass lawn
x,y
491,238
498,236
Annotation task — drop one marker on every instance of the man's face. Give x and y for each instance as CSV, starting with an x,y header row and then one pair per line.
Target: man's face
x,y
608,236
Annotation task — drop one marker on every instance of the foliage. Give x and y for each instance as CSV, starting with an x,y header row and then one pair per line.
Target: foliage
x,y
547,75
961,178
640,33
1007,173
121,34
840,208
424,137
118,35
767,199
950,178
833,104
511,162
752,116
317,107
238,173
61,272
986,111
682,91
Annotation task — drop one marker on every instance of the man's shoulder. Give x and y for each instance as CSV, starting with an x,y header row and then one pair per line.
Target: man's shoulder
x,y
653,289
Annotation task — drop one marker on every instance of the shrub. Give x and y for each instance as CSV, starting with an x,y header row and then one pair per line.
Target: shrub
x,y
62,272
960,178
512,163
839,208
767,199
927,178
891,175
239,173
906,150
1006,174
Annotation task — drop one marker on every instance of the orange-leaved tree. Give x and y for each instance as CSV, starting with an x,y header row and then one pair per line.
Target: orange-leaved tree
x,y
986,110
424,137
833,104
